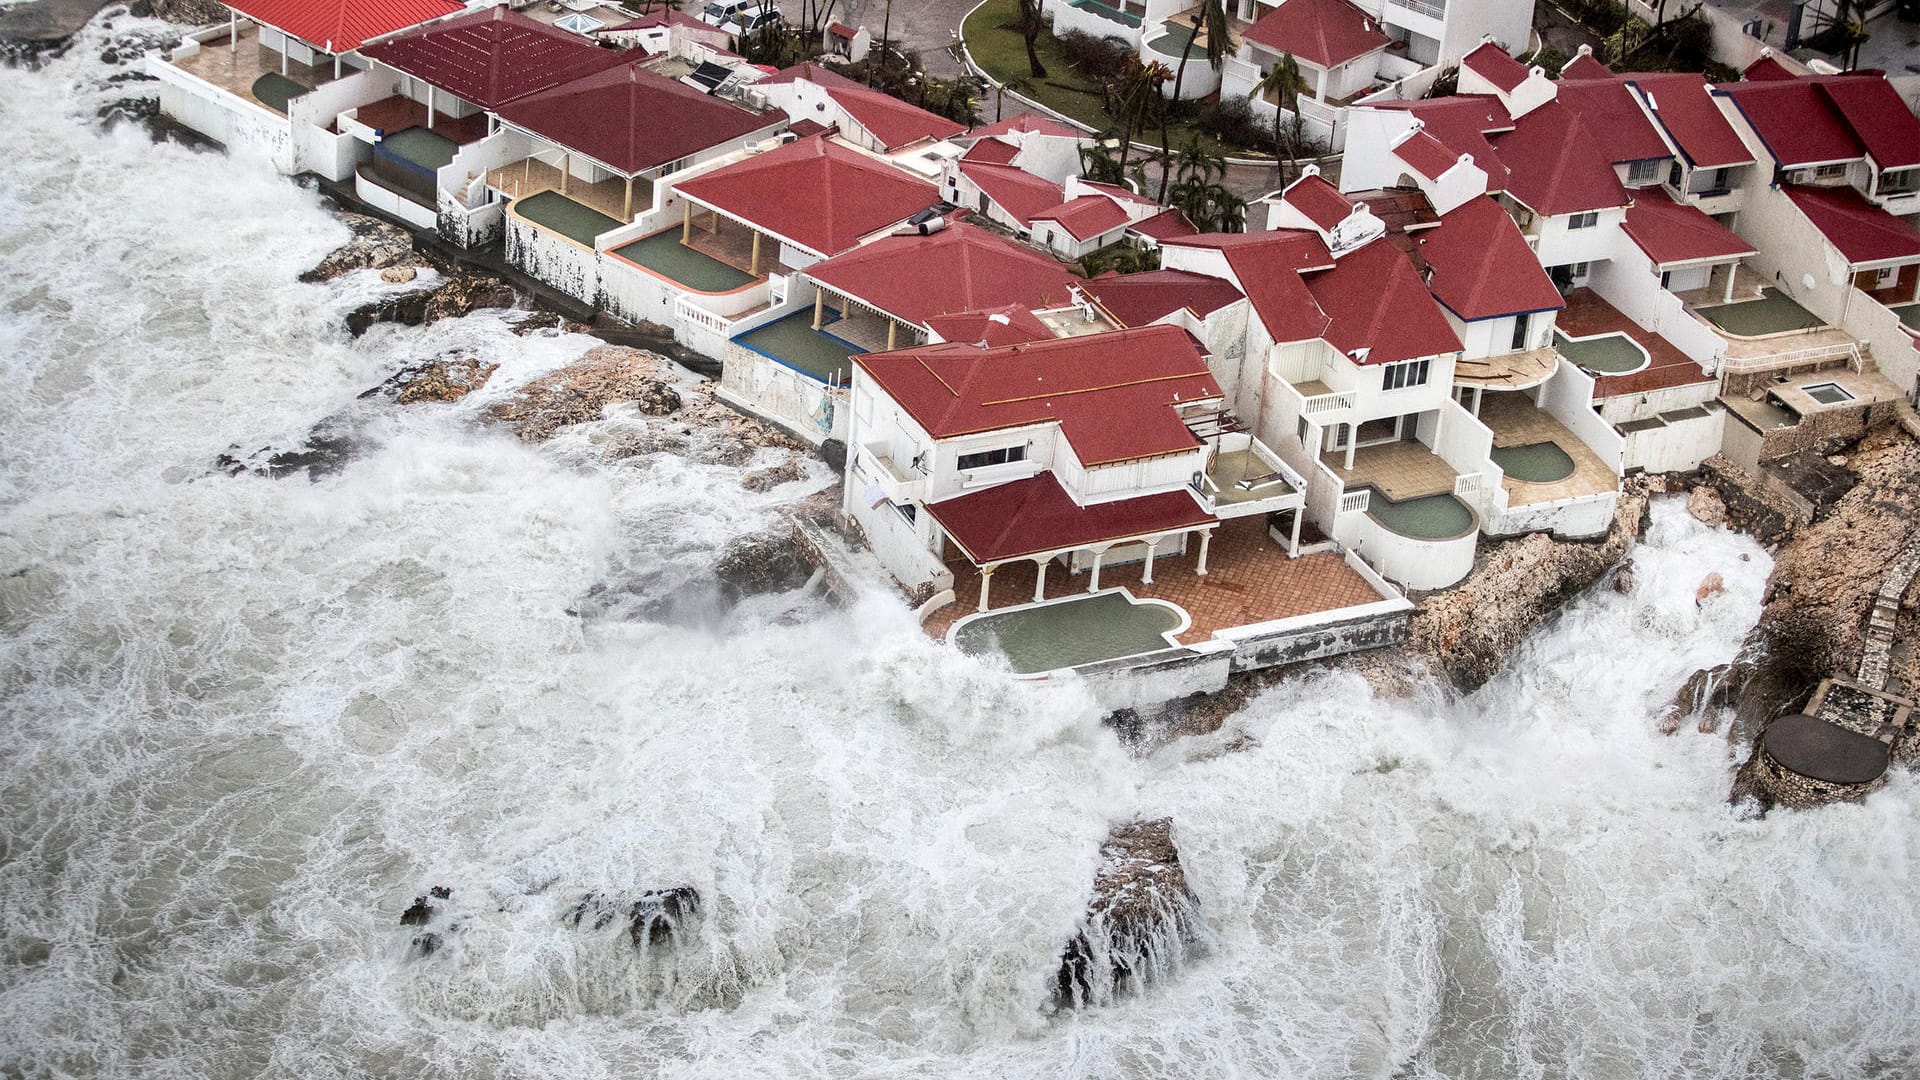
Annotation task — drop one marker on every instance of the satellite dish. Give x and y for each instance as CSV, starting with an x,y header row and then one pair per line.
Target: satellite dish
x,y
1806,282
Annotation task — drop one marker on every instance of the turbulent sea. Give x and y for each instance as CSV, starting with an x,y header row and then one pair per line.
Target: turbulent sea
x,y
246,721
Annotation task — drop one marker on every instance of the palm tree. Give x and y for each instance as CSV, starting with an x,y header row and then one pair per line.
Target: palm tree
x,y
1283,82
1030,30
1136,92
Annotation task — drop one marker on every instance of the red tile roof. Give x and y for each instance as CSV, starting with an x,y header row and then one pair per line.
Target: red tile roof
x,y
1268,265
1139,299
1879,119
1482,266
1861,231
632,120
1085,217
1613,119
1796,122
1462,123
1767,69
1165,225
1121,192
1019,193
340,26
961,268
1038,125
1327,33
1492,63
808,71
1585,67
892,122
1318,201
1036,515
1554,168
1683,106
815,193
1374,300
1671,232
1009,324
991,151
1112,394
1426,155
494,56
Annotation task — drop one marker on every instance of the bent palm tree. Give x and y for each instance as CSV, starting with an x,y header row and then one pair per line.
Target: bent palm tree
x,y
1136,93
1283,83
1212,18
1030,30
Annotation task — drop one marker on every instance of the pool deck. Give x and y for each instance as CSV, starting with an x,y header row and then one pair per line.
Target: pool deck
x,y
529,177
1586,315
1518,422
1400,470
392,114
1249,580
793,341
235,69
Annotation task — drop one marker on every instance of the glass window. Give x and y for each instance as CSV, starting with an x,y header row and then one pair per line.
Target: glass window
x,y
1584,221
1643,172
993,457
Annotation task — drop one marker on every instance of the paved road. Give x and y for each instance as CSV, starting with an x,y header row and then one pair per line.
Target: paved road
x,y
926,25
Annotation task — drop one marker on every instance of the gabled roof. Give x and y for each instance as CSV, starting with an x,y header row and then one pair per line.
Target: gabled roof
x,y
1029,122
1139,299
1375,301
1165,225
1318,201
1671,232
1766,69
1426,155
1482,266
1112,394
1119,191
1796,122
1036,515
1860,231
1613,119
961,268
1683,107
1492,63
991,151
1018,192
892,122
808,71
1462,124
632,120
1554,168
813,192
494,56
1585,66
1268,266
1085,217
1326,33
670,17
1879,119
1009,324
341,26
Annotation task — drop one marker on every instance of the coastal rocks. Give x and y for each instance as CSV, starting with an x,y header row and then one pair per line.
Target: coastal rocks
x,y
1704,691
329,445
461,294
398,275
1705,505
581,391
1764,511
375,245
762,563
185,12
428,911
1469,631
1710,586
1141,924
434,380
764,480
657,918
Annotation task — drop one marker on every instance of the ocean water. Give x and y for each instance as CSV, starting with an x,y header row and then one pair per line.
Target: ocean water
x,y
246,721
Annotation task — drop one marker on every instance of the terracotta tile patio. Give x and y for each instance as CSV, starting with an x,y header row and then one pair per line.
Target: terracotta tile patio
x,y
1249,580
234,66
1516,421
396,113
1586,315
1400,470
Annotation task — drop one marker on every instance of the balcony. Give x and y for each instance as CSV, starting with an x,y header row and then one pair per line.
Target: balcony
x,y
899,485
1317,401
1244,477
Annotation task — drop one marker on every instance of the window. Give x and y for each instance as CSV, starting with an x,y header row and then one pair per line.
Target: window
x,y
1002,456
1398,376
1643,172
1520,331
1584,221
1900,182
1666,279
908,511
1830,172
1305,430
1674,174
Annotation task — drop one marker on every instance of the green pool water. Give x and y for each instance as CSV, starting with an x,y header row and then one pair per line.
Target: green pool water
x,y
1430,517
1608,354
794,340
427,149
1170,45
1773,313
663,253
1103,626
1534,463
1828,393
576,221
1909,314
274,90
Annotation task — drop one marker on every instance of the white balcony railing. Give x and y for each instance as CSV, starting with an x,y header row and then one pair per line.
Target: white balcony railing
x,y
687,311
1747,365
1352,501
1466,488
897,484
1421,7
1326,403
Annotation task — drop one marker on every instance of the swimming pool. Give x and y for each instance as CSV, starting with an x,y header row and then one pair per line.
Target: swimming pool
x,y
1067,633
1603,354
1429,517
1534,463
1827,393
1773,313
576,221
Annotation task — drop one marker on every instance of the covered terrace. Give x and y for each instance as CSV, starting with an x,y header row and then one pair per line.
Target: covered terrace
x,y
239,64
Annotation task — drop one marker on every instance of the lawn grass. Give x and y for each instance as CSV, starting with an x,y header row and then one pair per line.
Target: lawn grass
x,y
1002,54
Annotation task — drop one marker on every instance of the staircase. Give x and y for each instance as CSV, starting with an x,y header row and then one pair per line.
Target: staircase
x,y
1886,610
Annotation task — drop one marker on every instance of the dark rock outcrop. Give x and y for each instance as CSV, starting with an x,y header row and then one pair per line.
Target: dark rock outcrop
x,y
657,918
1141,924
329,445
424,912
375,245
185,12
460,294
434,380
762,563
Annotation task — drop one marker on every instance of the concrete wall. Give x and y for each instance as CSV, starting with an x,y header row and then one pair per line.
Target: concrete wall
x,y
1558,245
793,399
561,263
1167,675
1413,562
403,208
316,149
1894,350
1567,396
1630,283
244,127
1679,446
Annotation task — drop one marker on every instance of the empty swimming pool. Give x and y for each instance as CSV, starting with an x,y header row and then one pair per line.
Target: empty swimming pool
x,y
1603,354
1429,517
663,253
1068,633
1534,463
1774,313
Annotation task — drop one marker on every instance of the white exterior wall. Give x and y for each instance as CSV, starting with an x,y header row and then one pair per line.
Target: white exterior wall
x,y
319,150
1368,161
802,100
554,259
1622,408
1630,284
1678,447
245,128
1494,337
1415,564
1557,245
1052,157
1144,476
804,405
1567,396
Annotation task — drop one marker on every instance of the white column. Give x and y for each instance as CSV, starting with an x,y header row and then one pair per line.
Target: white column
x,y
1733,271
1147,577
1478,393
1040,579
1099,555
1353,441
986,577
1293,546
283,54
429,106
233,31
336,65
1206,537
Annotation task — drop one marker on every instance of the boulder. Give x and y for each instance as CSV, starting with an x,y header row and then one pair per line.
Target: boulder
x,y
398,275
1705,505
655,919
762,563
581,391
1141,923
184,12
434,380
375,245
764,480
1710,586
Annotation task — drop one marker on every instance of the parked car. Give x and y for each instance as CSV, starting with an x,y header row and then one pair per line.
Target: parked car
x,y
752,19
722,12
